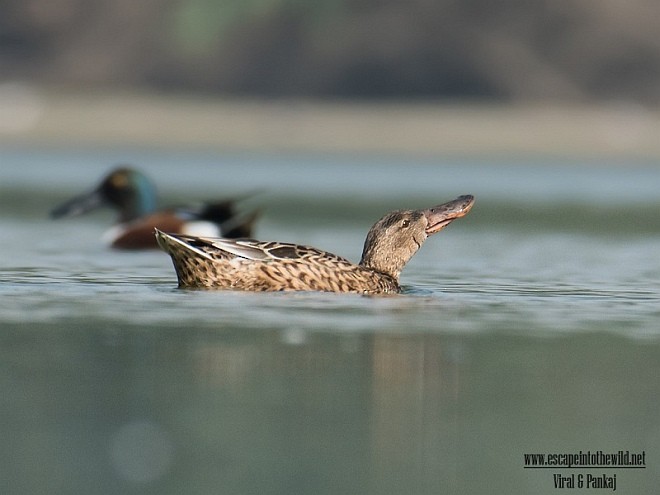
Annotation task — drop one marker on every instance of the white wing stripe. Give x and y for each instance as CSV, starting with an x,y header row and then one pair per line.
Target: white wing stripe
x,y
241,249
189,247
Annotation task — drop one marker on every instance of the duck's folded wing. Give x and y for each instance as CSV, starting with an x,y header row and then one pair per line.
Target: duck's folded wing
x,y
264,251
218,248
250,250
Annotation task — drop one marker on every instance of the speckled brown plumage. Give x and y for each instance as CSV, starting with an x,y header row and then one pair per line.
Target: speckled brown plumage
x,y
246,264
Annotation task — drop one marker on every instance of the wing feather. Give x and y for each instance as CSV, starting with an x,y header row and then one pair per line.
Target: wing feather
x,y
253,250
250,250
264,251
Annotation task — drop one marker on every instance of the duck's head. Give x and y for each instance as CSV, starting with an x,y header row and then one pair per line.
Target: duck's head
x,y
125,189
396,237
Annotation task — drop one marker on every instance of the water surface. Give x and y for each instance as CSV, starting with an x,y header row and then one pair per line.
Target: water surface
x,y
531,325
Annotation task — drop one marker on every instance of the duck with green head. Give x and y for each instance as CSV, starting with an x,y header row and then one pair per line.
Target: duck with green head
x,y
133,196
216,263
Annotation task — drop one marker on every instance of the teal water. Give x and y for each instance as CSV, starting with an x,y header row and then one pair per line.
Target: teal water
x,y
532,325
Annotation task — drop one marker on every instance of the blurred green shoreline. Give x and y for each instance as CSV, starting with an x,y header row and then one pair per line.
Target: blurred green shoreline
x,y
38,117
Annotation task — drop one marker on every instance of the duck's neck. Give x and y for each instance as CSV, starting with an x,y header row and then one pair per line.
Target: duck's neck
x,y
385,265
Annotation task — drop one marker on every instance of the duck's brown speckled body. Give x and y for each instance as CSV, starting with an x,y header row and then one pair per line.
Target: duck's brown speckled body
x,y
244,264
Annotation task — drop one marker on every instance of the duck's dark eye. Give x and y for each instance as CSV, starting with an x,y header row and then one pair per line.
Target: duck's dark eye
x,y
405,223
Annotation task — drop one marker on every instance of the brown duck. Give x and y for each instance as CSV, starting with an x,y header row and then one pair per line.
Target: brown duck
x,y
245,264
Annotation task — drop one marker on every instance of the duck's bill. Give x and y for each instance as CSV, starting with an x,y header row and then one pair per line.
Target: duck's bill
x,y
78,205
442,215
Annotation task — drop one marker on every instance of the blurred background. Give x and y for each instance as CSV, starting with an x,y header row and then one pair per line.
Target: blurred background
x,y
602,57
473,49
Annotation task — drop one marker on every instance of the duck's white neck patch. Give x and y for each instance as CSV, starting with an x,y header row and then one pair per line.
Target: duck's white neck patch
x,y
201,229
